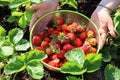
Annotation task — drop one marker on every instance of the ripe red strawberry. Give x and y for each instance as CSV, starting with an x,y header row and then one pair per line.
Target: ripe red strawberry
x,y
78,28
60,21
61,54
90,33
47,39
61,63
54,63
70,36
36,40
46,60
83,35
50,30
64,27
53,57
78,42
67,47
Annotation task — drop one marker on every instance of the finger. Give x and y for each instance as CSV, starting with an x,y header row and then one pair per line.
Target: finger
x,y
34,18
103,36
36,6
111,29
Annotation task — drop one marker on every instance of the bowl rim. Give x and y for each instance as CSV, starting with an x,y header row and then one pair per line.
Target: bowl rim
x,y
58,11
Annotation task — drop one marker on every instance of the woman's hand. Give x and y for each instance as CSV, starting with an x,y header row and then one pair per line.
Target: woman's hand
x,y
101,17
41,9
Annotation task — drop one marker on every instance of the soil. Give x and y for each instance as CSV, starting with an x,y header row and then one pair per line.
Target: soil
x,y
84,6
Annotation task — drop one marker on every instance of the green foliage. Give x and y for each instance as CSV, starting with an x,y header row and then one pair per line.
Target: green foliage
x,y
29,61
12,42
112,73
72,3
79,64
93,62
72,78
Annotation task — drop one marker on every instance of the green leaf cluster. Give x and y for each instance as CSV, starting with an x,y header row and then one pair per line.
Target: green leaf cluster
x,y
79,63
72,3
12,42
111,72
29,61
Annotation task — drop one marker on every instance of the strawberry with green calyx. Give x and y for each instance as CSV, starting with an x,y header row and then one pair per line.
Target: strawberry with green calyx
x,y
61,37
92,50
48,51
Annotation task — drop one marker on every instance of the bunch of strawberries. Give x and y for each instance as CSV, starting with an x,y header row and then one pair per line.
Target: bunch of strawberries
x,y
64,35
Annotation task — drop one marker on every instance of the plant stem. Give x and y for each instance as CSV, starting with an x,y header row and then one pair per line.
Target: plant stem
x,y
82,77
14,76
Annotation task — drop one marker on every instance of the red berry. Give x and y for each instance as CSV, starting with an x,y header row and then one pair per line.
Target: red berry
x,y
60,21
70,36
83,35
54,63
50,30
78,42
53,57
36,40
64,27
61,54
78,28
67,47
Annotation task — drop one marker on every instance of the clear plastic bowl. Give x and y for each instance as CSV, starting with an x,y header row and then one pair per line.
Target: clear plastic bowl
x,y
76,17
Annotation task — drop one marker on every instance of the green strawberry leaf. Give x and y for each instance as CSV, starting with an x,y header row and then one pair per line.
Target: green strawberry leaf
x,y
2,39
93,62
76,55
22,45
2,31
72,3
16,13
72,78
15,35
12,19
35,55
72,68
35,69
6,50
22,22
112,73
15,64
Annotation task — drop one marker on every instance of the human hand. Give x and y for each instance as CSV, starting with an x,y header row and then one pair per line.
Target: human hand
x,y
103,20
41,9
